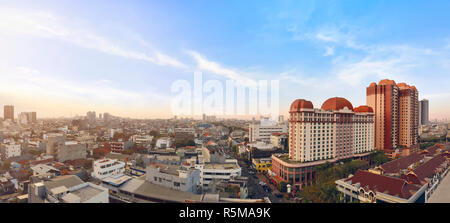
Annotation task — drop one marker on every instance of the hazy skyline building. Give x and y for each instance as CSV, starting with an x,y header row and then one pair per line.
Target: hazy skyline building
x,y
106,117
8,112
424,112
91,116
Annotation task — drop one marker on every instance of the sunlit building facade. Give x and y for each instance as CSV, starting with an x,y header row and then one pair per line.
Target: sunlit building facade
x,y
334,132
396,109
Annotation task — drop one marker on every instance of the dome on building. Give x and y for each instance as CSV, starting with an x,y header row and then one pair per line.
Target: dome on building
x,y
299,104
363,109
386,82
414,88
336,103
373,84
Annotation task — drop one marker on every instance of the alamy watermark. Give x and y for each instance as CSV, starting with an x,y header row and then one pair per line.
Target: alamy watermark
x,y
235,98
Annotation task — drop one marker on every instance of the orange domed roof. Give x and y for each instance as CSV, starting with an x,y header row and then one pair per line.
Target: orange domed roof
x,y
299,104
363,109
414,88
336,103
386,82
373,84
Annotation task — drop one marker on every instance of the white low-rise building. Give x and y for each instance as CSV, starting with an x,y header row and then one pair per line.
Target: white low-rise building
x,y
217,172
263,131
163,143
67,189
174,177
107,167
141,139
10,150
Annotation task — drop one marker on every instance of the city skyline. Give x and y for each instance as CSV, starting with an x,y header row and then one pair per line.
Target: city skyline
x,y
124,61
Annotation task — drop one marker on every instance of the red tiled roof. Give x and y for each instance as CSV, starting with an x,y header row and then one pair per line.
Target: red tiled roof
x,y
363,109
446,154
336,104
77,163
432,149
299,104
403,85
383,184
42,161
402,163
386,82
429,168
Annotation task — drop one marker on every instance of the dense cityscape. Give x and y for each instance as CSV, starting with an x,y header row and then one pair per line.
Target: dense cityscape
x,y
385,151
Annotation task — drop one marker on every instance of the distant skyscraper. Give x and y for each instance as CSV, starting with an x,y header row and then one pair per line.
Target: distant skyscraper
x,y
280,119
106,117
204,117
23,118
424,112
27,117
8,112
91,116
33,117
100,116
396,114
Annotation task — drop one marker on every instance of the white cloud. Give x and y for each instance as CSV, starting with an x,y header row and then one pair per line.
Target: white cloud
x,y
46,25
32,83
216,68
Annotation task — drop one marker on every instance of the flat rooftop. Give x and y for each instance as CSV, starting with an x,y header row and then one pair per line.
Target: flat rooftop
x,y
67,181
165,168
86,193
117,180
221,166
150,190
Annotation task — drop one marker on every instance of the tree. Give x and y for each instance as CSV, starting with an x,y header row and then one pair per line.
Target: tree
x,y
154,133
6,165
425,145
380,158
282,186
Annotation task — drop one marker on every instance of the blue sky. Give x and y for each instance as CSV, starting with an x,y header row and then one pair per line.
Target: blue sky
x,y
63,58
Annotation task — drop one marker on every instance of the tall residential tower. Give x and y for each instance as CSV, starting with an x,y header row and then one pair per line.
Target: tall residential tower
x,y
396,114
424,112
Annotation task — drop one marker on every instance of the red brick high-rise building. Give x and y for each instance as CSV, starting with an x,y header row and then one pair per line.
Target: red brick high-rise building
x,y
396,114
409,115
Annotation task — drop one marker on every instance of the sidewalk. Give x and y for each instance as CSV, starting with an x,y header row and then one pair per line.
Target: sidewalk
x,y
442,193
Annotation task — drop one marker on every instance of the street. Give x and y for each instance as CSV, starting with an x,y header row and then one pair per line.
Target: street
x,y
254,187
